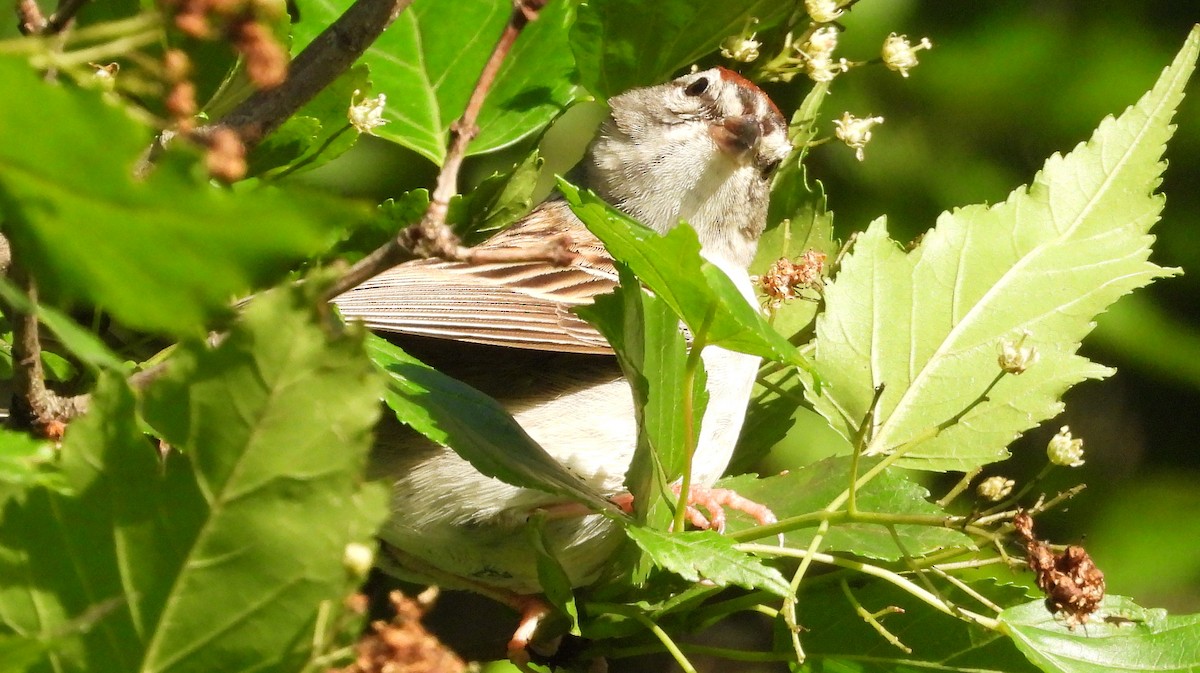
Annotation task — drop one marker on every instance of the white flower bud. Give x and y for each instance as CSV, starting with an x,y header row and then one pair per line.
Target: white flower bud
x,y
1015,357
900,55
742,48
995,488
1063,450
855,132
357,558
823,11
367,115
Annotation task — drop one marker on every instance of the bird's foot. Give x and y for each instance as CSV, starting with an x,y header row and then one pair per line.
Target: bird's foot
x,y
714,501
711,500
533,610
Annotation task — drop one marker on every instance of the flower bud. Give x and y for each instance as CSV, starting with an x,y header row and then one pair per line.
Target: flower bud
x,y
366,115
1063,450
855,132
900,55
1015,357
995,488
357,558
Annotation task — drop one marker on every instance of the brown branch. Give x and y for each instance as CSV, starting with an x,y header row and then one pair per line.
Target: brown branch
x,y
30,20
67,9
328,56
430,237
35,406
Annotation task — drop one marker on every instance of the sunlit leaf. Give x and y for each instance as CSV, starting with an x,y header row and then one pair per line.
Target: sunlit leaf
x,y
168,253
927,324
1125,637
428,61
218,556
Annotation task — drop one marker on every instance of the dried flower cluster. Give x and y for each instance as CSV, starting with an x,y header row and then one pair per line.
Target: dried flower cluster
x,y
1072,582
180,101
244,24
785,279
402,645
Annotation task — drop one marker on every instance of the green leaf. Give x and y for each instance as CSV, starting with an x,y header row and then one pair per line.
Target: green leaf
x,y
553,578
217,558
1131,638
797,223
836,638
317,134
167,253
392,216
928,324
700,293
644,333
80,342
495,202
451,413
26,462
810,489
707,555
18,654
428,61
622,44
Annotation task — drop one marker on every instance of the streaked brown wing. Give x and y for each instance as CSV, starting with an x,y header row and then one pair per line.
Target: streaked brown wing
x,y
516,304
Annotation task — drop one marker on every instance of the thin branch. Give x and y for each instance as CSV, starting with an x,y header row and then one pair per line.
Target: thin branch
x,y
324,60
30,20
430,237
35,405
67,9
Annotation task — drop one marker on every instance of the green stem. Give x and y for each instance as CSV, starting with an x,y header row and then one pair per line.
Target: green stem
x,y
693,363
635,614
100,52
875,571
873,619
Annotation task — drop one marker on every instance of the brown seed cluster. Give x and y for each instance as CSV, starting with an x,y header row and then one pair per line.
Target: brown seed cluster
x,y
1072,582
242,22
785,279
402,645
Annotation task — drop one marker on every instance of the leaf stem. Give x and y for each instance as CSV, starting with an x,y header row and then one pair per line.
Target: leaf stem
x,y
872,618
114,49
958,488
875,571
690,367
663,637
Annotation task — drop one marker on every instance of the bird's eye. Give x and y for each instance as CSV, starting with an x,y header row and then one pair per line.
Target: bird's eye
x,y
698,87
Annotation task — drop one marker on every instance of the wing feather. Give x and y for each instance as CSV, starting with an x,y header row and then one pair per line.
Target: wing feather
x,y
516,304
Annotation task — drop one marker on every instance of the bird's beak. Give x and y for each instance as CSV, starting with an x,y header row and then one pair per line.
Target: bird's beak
x,y
736,136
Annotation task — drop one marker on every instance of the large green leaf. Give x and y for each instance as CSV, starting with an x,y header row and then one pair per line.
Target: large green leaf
x,y
428,61
167,253
699,292
217,558
645,335
452,413
622,44
927,324
1130,638
707,555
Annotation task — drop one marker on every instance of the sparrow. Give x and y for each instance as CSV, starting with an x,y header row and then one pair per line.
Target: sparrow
x,y
700,149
